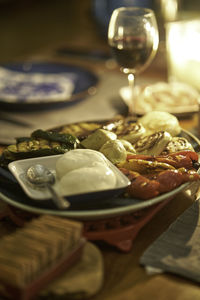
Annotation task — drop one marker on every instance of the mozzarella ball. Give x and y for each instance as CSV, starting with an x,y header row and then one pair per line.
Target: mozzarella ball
x,y
87,179
78,158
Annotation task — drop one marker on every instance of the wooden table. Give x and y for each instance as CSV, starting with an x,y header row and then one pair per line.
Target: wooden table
x,y
124,277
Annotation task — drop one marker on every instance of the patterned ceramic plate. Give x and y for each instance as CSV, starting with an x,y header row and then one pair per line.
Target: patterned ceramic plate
x,y
43,85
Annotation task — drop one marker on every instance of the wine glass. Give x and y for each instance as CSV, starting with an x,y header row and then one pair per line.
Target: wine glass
x,y
133,38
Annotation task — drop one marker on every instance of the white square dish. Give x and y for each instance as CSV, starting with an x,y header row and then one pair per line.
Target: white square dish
x,y
19,168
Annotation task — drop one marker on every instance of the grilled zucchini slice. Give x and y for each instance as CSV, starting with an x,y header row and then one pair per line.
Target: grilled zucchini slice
x,y
41,143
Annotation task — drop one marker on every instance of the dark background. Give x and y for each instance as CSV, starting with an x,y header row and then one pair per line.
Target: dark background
x,y
28,27
33,26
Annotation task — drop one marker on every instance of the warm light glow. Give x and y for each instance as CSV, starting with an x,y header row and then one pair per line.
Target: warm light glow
x,y
169,9
111,28
154,34
183,51
120,37
130,77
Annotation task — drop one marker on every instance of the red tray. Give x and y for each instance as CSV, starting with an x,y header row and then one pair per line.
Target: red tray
x,y
118,231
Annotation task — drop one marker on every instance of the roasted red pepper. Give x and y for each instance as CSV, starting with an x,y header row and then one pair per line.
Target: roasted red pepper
x,y
186,159
150,185
141,187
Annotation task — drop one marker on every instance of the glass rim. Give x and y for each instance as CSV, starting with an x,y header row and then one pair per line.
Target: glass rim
x,y
146,10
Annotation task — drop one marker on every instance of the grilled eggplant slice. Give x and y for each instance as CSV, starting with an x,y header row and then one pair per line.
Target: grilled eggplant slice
x,y
131,132
82,129
153,144
126,129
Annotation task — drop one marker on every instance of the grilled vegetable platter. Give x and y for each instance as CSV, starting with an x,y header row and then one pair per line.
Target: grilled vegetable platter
x,y
158,157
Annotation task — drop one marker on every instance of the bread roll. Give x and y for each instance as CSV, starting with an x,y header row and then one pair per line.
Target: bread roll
x,y
160,121
174,97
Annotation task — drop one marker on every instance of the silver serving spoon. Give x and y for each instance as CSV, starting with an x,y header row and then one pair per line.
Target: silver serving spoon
x,y
41,176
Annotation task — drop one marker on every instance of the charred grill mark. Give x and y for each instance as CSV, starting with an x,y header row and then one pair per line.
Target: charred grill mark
x,y
81,130
129,128
148,142
195,164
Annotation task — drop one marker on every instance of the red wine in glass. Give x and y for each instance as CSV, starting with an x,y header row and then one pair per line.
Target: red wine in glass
x,y
133,56
133,38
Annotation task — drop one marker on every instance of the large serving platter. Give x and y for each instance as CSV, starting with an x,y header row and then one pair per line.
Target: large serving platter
x,y
93,209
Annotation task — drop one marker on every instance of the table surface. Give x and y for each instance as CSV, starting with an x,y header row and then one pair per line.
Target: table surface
x,y
124,277
33,31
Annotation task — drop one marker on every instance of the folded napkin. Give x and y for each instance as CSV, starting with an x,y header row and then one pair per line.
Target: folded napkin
x,y
177,250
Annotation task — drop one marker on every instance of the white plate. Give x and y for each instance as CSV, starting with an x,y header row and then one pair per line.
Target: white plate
x,y
176,110
19,168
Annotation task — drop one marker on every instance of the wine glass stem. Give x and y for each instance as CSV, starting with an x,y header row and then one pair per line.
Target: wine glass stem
x,y
131,82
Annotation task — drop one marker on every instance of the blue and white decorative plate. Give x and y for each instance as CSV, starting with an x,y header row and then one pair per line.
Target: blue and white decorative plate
x,y
38,84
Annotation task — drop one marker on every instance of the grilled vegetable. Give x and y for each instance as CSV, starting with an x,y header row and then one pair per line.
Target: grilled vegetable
x,y
67,139
33,148
182,159
145,166
96,140
114,151
153,144
146,187
151,176
41,143
131,132
119,125
126,129
128,146
80,130
177,144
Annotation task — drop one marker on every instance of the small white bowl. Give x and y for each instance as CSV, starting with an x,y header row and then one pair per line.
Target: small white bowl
x,y
19,168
